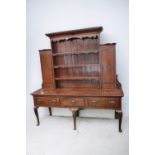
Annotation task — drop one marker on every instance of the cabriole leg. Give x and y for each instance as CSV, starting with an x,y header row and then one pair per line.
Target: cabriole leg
x,y
50,111
37,116
74,114
118,115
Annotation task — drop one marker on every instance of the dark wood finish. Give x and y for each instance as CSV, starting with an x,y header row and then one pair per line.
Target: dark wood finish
x,y
75,53
79,73
118,115
78,113
37,115
108,65
56,93
47,68
47,101
74,114
107,103
50,111
75,33
72,102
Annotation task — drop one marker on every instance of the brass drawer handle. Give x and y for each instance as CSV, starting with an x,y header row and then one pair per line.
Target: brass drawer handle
x,y
53,100
73,101
39,99
112,102
93,101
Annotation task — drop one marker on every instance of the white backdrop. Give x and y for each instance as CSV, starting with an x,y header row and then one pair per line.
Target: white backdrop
x,y
44,16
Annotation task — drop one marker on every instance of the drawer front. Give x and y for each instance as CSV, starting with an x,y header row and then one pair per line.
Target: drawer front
x,y
72,102
47,101
108,103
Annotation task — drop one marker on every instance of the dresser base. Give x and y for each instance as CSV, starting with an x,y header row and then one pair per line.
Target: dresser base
x,y
78,99
75,113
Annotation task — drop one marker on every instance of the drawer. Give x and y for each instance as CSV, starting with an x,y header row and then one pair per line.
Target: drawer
x,y
47,101
72,102
108,103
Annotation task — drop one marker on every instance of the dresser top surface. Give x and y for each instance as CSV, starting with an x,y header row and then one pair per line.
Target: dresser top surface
x,y
78,92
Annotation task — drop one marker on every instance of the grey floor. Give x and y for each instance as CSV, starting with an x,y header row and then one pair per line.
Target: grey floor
x,y
94,136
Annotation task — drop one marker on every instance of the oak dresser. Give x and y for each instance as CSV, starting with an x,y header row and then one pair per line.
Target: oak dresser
x,y
78,72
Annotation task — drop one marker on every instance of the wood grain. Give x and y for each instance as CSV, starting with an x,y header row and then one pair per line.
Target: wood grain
x,y
78,72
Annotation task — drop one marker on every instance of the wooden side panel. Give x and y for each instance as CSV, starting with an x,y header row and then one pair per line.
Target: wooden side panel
x,y
47,68
108,65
